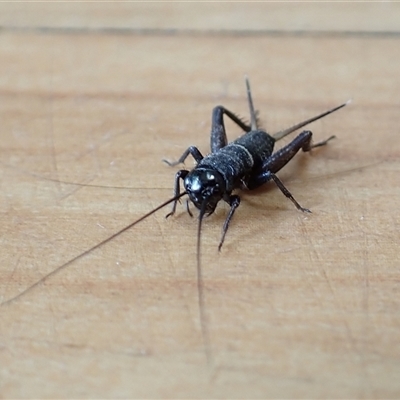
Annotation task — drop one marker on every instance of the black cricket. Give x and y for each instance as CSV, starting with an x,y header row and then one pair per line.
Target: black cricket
x,y
246,163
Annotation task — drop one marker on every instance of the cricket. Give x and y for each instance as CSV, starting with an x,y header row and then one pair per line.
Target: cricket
x,y
246,163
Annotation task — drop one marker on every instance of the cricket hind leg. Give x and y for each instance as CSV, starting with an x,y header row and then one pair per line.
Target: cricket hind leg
x,y
267,176
279,159
218,138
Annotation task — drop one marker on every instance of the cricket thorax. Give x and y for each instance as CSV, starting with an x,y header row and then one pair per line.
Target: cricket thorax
x,y
232,162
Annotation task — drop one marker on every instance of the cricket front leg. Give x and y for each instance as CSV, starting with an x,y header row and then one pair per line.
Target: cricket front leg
x,y
234,202
181,174
192,150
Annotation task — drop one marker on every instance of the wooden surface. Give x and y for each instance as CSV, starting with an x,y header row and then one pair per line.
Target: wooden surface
x,y
296,305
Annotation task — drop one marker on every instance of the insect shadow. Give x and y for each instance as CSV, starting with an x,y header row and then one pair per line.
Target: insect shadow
x,y
245,163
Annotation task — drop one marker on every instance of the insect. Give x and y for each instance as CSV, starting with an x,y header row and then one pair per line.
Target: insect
x,y
246,163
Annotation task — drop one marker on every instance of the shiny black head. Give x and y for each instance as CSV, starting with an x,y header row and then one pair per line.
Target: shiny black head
x,y
202,184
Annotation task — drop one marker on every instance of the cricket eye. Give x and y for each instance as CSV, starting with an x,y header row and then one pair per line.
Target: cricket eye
x,y
210,176
192,184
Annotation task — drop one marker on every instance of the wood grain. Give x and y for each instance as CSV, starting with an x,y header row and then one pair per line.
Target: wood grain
x,y
296,305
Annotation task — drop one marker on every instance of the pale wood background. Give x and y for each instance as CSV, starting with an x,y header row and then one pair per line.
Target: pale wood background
x,y
92,97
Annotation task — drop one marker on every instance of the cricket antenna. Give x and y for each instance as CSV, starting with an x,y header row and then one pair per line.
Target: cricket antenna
x,y
86,252
281,134
253,114
200,287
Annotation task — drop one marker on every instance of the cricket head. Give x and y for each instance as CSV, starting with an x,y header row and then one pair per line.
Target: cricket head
x,y
205,188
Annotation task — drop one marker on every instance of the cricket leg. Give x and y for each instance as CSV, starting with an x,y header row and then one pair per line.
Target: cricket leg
x,y
188,208
181,174
280,158
218,138
192,150
234,202
258,180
